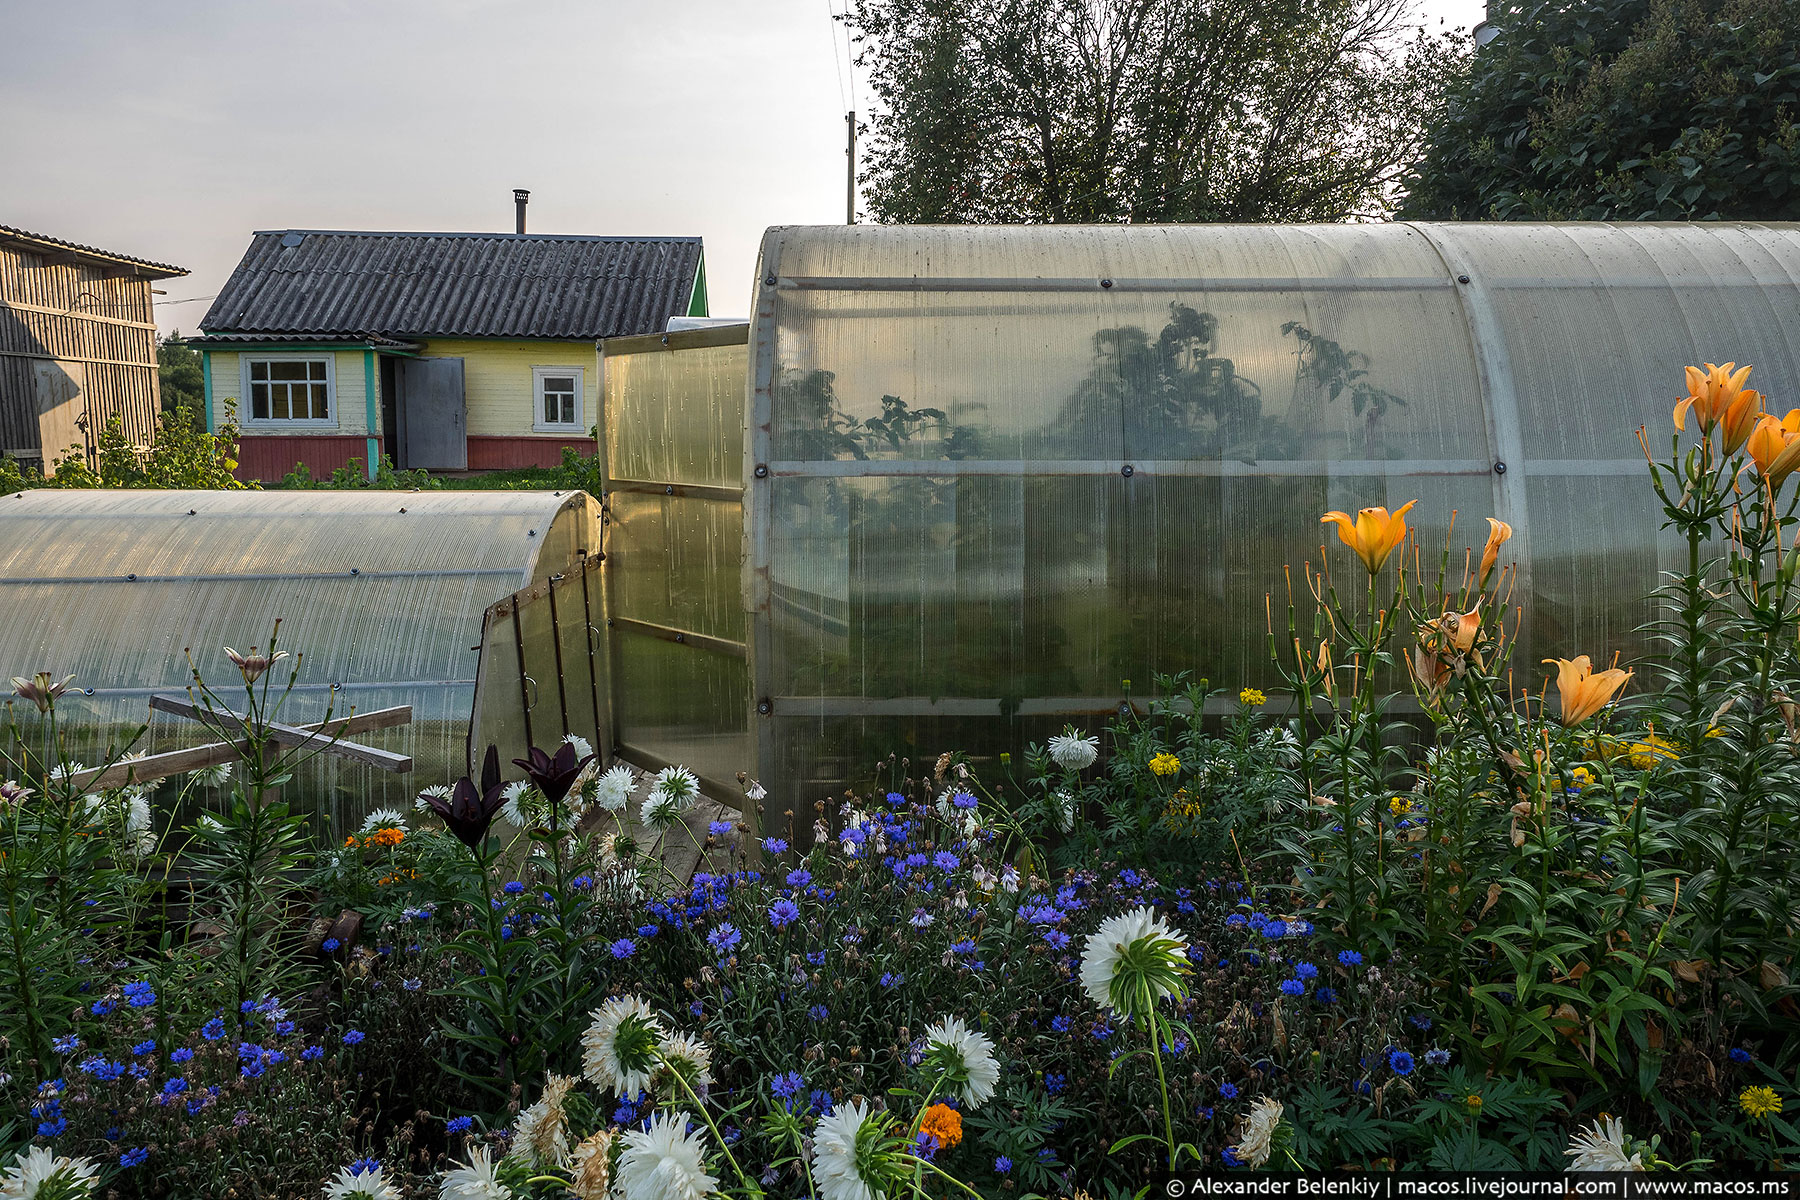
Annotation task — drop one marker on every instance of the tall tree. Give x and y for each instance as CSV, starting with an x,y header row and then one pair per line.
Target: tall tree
x,y
178,370
1143,110
1631,110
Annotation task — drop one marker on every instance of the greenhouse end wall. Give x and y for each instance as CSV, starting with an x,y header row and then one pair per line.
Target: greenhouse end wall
x,y
999,478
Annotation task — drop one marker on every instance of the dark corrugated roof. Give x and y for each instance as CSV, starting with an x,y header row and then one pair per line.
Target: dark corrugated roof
x,y
410,285
41,242
283,339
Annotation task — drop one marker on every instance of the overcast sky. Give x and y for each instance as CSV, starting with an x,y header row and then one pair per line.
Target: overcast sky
x,y
173,130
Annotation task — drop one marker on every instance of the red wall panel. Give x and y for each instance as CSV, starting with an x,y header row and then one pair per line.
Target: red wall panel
x,y
502,453
267,457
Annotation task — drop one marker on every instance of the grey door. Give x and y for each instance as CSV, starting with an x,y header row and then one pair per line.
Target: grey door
x,y
432,428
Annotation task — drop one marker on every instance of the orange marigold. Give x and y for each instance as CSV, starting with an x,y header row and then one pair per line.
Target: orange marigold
x,y
943,1123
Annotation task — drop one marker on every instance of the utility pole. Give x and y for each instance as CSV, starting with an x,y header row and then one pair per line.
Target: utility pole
x,y
850,176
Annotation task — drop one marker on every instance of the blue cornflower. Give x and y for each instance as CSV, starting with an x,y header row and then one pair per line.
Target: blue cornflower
x,y
624,948
1349,958
1057,939
213,1030
1437,1058
283,1028
1228,1091
148,1046
64,1045
816,957
920,919
513,887
313,1053
1275,929
1739,1054
718,828
352,1036
458,1124
964,800
101,1007
143,999
963,947
252,1069
52,1126
1305,970
1003,1165
799,878
412,985
1326,995
1400,1062
174,1087
365,1166
1362,1087
818,1012
786,1086
330,945
134,1156
1060,1024
136,986
891,980
1236,921
783,912
774,845
180,1055
1229,1157
648,931
724,937
1292,987
1055,1083
945,861
1420,1021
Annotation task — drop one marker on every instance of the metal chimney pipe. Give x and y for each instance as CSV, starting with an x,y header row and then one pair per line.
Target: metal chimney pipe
x,y
521,198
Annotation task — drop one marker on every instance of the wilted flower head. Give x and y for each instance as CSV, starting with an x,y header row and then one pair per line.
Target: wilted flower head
x,y
1603,1146
1133,960
541,1134
41,689
253,665
590,1166
1257,1138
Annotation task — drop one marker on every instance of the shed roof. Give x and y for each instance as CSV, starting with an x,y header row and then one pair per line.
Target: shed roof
x,y
410,285
39,243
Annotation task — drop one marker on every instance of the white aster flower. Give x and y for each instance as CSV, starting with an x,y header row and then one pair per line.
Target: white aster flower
x,y
1065,811
1602,1147
1131,950
383,818
140,837
688,1055
371,1185
1256,1138
615,788
214,776
582,748
38,1170
672,793
665,1162
841,1154
1073,751
966,1059
440,790
541,1134
519,804
590,1167
619,1047
474,1181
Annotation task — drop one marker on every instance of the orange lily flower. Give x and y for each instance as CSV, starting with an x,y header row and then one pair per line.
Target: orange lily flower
x,y
1498,533
1711,394
1775,446
1585,692
1374,534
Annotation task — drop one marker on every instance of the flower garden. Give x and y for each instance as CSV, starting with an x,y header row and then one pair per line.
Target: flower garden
x,y
1541,916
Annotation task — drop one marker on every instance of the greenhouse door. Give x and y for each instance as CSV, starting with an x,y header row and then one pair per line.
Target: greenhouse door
x,y
432,433
540,678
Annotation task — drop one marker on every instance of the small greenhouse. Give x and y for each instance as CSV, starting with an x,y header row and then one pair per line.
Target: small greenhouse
x,y
958,485
395,598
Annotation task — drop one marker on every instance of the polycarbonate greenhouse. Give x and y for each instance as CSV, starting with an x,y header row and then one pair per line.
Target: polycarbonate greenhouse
x,y
987,475
385,593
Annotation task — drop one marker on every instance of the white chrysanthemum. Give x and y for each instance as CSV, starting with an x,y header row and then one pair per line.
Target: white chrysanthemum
x,y
541,1134
1065,811
672,793
519,806
214,776
625,882
1601,1147
689,1055
665,1161
372,1185
475,1181
590,1167
965,819
968,1059
615,788
440,790
582,748
140,838
1108,944
62,771
1255,1140
616,1054
1073,751
834,1159
36,1166
383,818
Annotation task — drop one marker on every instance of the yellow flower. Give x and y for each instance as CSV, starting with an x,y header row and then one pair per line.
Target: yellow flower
x,y
1374,534
1165,764
1583,691
1498,532
1759,1102
1580,778
1473,1102
1252,697
1400,806
943,1123
1646,754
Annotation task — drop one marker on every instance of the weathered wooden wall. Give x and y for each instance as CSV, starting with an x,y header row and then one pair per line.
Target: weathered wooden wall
x,y
92,324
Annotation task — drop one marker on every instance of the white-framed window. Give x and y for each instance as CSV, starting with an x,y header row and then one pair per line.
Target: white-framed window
x,y
289,391
556,396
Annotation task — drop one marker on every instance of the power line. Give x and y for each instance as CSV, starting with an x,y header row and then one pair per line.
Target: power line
x,y
838,67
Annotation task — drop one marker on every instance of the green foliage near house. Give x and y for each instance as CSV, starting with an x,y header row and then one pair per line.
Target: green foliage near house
x,y
178,369
181,455
1003,111
1630,110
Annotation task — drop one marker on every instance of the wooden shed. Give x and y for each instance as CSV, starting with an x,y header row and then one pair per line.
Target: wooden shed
x,y
77,345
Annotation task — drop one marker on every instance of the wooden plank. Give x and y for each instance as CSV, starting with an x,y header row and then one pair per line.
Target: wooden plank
x,y
179,762
288,735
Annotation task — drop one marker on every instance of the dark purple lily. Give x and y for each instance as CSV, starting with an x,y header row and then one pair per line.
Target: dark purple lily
x,y
469,809
554,774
